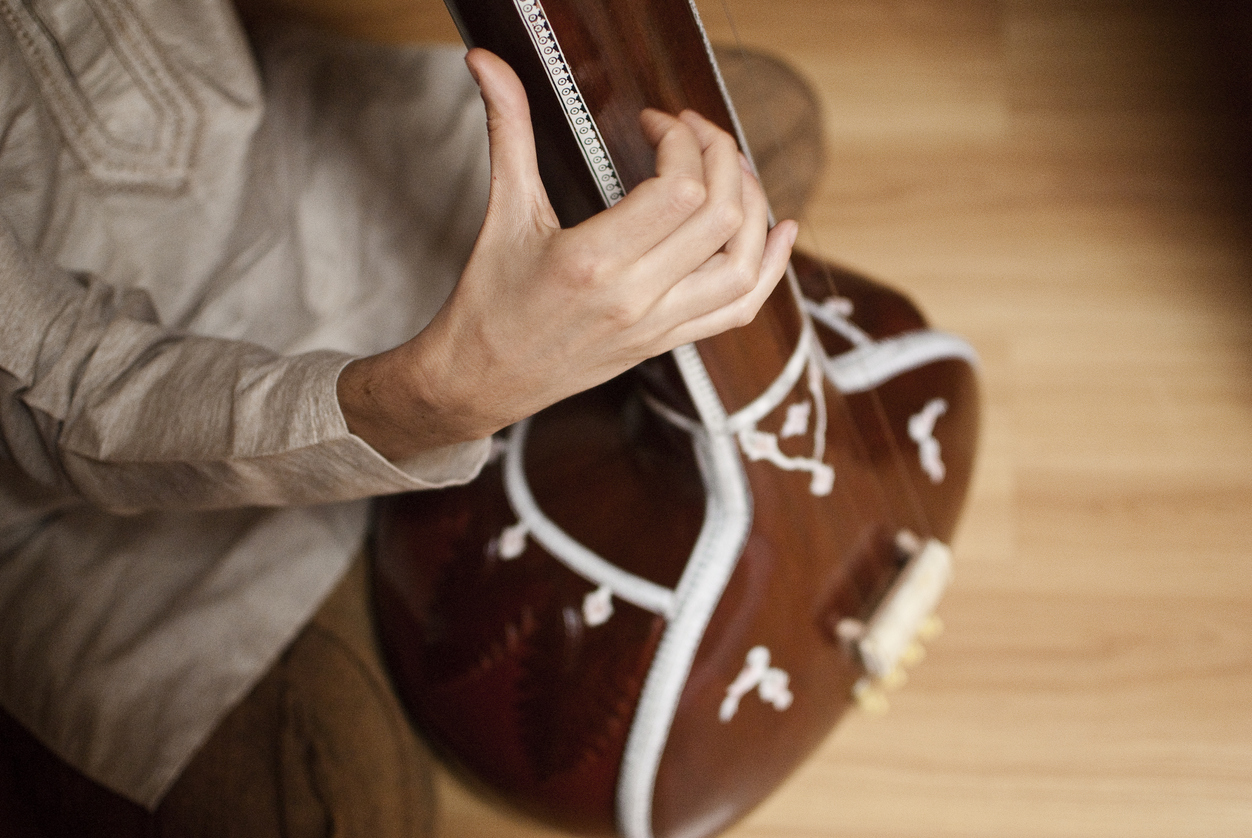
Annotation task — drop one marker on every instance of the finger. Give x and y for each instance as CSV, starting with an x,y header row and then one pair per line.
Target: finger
x,y
515,177
659,205
724,163
722,213
740,310
679,154
734,271
745,248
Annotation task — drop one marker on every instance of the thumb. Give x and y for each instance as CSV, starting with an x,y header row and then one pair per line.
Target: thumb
x,y
514,166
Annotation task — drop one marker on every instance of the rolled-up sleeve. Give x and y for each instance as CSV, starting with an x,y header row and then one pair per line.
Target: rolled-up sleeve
x,y
102,402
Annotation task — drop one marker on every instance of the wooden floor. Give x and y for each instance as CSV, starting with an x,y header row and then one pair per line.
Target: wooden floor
x,y
1053,180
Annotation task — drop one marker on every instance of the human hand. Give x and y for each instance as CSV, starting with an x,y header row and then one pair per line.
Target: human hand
x,y
541,313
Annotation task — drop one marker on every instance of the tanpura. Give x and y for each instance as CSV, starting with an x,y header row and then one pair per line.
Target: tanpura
x,y
663,593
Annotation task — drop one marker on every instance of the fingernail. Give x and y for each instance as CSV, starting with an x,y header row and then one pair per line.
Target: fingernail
x,y
473,72
745,165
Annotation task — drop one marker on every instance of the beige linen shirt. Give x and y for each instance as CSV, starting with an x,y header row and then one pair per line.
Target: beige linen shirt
x,y
195,237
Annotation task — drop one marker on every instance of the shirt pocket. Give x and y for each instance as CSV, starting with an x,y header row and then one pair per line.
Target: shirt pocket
x,y
115,98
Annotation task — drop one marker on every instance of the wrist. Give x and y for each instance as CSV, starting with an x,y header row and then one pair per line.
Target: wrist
x,y
400,403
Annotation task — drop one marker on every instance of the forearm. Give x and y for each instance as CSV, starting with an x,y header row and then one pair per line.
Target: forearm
x,y
99,402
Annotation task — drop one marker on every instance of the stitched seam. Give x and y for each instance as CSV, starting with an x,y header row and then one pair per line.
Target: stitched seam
x,y
135,48
45,69
103,157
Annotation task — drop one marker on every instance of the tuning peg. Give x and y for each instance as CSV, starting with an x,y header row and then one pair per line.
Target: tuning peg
x,y
870,697
913,654
930,628
894,680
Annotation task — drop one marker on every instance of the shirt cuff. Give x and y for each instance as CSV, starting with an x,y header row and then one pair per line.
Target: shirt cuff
x,y
447,465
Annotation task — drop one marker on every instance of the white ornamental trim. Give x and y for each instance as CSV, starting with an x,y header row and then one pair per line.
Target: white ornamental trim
x,y
865,367
533,523
581,123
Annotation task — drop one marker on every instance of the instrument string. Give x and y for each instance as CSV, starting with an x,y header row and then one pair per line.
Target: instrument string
x,y
899,461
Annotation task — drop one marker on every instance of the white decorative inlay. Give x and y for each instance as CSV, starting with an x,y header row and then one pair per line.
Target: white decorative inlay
x,y
922,431
512,541
598,606
771,683
797,421
835,313
581,123
762,445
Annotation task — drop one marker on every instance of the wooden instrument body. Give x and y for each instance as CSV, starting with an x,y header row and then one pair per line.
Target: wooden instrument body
x,y
491,643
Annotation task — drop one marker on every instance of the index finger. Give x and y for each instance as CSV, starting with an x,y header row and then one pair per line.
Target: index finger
x,y
661,204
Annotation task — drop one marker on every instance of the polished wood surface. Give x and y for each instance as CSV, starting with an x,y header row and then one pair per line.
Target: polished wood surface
x,y
1060,182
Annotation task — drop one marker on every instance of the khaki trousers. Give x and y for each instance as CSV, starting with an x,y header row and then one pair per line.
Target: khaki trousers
x,y
319,748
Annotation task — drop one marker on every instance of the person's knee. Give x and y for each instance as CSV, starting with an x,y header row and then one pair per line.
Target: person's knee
x,y
321,746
